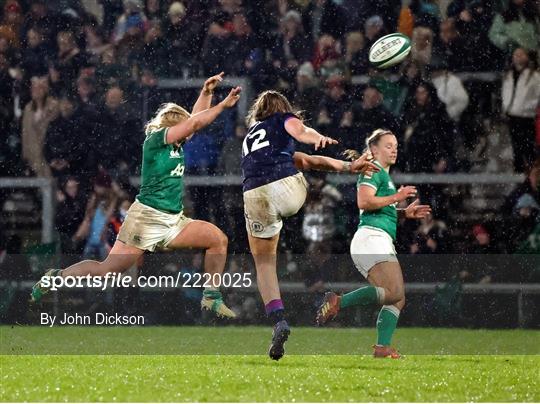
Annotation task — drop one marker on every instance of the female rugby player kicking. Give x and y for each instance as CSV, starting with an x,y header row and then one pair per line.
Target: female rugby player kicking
x,y
274,188
372,247
156,219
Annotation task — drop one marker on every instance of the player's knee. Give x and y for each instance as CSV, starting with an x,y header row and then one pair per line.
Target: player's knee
x,y
221,241
394,294
400,304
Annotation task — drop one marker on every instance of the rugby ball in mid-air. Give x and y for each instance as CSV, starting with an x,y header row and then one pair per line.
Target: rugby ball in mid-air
x,y
389,50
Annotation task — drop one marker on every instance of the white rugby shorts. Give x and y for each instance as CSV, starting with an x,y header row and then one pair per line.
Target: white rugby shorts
x,y
265,206
149,229
371,246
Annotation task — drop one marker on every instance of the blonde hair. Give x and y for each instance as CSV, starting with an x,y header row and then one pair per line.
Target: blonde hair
x,y
168,114
268,103
371,140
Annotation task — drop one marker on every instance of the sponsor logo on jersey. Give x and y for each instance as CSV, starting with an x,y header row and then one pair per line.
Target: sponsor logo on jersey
x,y
174,154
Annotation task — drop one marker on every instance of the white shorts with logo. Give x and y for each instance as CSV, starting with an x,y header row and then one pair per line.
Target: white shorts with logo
x,y
147,228
264,206
371,246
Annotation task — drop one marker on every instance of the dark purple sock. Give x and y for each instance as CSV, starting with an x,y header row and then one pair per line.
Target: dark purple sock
x,y
275,310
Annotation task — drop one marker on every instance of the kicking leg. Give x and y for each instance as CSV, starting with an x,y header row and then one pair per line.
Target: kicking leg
x,y
120,258
264,251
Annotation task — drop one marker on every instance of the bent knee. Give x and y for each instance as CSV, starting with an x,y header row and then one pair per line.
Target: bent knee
x,y
220,241
394,295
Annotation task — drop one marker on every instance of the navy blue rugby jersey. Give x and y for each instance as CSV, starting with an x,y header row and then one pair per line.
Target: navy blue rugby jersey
x,y
267,152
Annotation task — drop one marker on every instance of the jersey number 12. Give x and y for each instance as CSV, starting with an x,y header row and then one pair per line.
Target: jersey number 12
x,y
257,143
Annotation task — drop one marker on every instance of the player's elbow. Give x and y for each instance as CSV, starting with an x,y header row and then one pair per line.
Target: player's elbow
x,y
363,204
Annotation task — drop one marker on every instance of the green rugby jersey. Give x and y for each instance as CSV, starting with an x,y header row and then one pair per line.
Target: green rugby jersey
x,y
162,174
384,218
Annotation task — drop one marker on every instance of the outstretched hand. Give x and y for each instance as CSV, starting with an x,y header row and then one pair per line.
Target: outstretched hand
x,y
232,98
363,166
323,141
212,82
416,211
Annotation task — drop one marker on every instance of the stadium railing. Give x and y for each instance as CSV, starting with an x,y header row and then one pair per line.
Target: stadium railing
x,y
47,187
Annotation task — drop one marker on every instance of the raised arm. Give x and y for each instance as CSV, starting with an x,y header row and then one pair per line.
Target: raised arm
x,y
304,134
196,122
205,97
305,162
367,200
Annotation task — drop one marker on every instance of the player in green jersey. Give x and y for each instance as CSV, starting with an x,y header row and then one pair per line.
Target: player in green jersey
x,y
156,219
372,248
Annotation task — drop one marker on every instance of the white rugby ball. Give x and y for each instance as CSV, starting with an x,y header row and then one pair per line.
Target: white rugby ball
x,y
389,50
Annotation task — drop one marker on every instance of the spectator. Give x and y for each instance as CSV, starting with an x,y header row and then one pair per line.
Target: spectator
x,y
86,94
232,199
118,134
373,29
69,61
422,44
38,17
182,41
448,46
356,53
449,88
517,26
153,11
333,106
428,134
70,208
147,96
473,19
6,89
319,229
11,24
99,211
327,59
95,43
115,222
410,77
37,116
367,115
425,14
229,51
292,47
324,17
36,57
530,186
155,52
109,72
131,21
307,95
61,143
520,95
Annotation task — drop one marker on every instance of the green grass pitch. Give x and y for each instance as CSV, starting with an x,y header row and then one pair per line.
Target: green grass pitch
x,y
157,364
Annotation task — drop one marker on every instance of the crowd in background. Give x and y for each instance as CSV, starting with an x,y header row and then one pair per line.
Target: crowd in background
x,y
79,78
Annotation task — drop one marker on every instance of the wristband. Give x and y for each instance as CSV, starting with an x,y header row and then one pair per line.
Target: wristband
x,y
347,166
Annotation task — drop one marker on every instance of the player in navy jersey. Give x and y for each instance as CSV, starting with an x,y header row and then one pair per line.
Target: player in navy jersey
x,y
275,188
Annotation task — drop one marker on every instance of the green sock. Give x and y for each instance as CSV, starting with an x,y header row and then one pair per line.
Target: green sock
x,y
212,293
386,324
363,297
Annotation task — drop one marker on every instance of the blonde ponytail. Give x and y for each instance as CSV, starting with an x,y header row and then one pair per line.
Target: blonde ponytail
x,y
372,139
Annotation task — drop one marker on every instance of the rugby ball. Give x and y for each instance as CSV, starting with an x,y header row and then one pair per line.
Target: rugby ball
x,y
389,50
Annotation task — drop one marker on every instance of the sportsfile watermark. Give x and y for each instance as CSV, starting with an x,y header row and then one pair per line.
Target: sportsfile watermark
x,y
116,280
156,306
